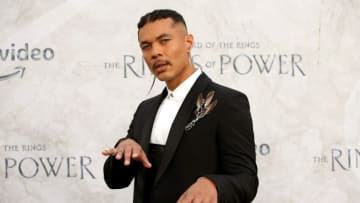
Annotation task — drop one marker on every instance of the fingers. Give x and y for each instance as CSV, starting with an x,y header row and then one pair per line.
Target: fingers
x,y
127,156
128,149
144,160
119,153
113,152
136,150
189,198
183,199
139,155
203,190
108,152
186,198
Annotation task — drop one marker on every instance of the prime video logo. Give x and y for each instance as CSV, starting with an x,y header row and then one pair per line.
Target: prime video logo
x,y
24,53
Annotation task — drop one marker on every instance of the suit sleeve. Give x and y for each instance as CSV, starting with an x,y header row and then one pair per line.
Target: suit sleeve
x,y
237,181
117,175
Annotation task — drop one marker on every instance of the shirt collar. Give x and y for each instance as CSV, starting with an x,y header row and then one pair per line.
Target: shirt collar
x,y
182,90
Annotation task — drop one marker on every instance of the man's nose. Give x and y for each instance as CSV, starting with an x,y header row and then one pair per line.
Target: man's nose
x,y
156,51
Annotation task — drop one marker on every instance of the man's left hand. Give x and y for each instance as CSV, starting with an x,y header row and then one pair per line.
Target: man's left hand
x,y
202,191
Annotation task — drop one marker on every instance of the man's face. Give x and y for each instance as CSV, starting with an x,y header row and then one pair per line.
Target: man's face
x,y
166,49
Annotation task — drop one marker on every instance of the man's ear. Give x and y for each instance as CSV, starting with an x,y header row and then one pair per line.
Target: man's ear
x,y
189,40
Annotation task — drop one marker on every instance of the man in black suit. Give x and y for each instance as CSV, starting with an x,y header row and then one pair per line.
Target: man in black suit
x,y
192,143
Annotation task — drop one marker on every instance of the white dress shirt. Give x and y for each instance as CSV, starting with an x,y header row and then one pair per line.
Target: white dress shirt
x,y
169,108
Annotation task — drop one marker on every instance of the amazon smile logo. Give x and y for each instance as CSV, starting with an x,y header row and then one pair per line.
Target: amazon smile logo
x,y
25,53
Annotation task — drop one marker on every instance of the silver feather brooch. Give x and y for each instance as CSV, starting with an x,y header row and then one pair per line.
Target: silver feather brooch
x,y
203,107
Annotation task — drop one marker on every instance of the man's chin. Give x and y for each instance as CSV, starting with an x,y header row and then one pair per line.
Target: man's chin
x,y
162,77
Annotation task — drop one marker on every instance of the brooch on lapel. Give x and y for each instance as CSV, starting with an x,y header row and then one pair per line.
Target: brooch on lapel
x,y
203,107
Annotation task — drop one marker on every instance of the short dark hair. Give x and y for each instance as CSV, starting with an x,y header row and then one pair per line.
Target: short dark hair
x,y
159,14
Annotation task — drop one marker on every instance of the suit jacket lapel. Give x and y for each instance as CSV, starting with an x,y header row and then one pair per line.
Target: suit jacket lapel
x,y
178,126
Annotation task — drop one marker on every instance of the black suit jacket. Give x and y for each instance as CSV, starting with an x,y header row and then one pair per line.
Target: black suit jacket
x,y
220,147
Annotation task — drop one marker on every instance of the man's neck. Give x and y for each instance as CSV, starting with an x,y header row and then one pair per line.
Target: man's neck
x,y
174,83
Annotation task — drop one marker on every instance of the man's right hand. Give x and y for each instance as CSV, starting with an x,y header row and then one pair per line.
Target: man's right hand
x,y
128,149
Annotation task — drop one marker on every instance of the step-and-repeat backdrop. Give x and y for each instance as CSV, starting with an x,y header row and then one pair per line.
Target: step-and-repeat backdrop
x,y
72,75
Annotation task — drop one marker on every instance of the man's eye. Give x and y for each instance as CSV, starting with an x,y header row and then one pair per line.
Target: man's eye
x,y
144,47
163,41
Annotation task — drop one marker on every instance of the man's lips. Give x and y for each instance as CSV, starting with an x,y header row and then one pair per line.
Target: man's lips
x,y
160,66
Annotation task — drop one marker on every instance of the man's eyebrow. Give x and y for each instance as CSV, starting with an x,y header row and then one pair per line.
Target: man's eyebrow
x,y
157,38
162,36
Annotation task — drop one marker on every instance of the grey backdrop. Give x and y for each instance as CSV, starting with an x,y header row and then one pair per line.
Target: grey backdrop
x,y
72,75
